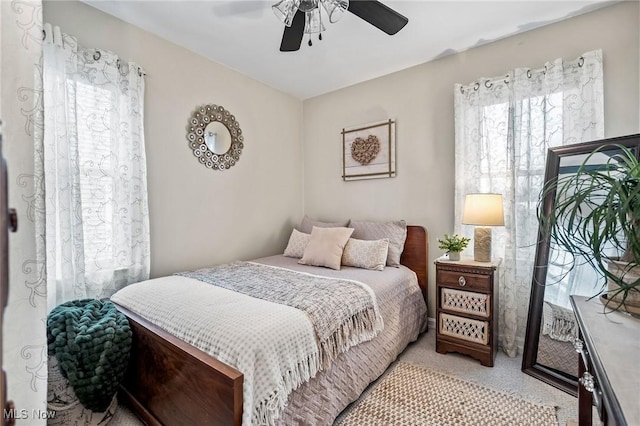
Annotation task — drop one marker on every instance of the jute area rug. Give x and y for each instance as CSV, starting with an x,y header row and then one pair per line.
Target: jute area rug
x,y
412,395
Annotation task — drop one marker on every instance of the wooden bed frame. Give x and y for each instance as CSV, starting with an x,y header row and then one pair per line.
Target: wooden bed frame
x,y
170,382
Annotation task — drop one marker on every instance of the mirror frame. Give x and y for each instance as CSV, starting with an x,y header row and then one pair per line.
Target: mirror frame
x,y
198,121
530,366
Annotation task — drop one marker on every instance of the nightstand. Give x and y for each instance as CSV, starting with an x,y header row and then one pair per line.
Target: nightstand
x,y
467,308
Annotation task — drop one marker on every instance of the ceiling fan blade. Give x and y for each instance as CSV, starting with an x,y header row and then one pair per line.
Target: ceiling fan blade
x,y
378,15
292,36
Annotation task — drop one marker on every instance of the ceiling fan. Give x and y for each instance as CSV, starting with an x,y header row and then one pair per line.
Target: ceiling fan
x,y
304,17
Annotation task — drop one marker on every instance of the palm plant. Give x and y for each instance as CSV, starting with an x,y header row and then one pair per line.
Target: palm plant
x,y
596,216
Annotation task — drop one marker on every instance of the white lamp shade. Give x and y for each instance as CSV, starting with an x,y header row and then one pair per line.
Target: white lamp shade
x,y
483,210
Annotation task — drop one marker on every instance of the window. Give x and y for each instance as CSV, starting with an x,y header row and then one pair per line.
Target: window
x,y
503,129
94,224
96,173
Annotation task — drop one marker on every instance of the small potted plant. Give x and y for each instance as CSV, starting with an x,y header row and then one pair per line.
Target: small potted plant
x,y
453,245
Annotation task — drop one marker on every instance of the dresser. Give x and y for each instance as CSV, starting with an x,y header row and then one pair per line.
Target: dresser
x,y
466,308
609,364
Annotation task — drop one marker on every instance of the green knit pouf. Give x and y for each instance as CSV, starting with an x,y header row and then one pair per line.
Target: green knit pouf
x,y
91,340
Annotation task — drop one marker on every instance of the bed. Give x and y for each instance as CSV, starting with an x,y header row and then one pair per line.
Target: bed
x,y
171,382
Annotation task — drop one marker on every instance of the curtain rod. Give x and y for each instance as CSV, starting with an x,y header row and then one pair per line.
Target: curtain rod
x,y
488,82
97,54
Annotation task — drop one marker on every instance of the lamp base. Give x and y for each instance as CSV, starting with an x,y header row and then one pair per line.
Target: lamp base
x,y
482,244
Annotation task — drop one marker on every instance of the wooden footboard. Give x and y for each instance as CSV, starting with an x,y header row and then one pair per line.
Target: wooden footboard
x,y
169,382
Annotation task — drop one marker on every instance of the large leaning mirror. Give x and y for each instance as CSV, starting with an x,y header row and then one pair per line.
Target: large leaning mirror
x,y
215,137
549,354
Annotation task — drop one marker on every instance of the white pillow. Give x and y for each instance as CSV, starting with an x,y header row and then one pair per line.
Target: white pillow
x,y
396,232
297,243
366,254
325,247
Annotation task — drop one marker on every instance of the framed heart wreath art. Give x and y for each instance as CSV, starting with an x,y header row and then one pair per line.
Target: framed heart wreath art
x,y
369,151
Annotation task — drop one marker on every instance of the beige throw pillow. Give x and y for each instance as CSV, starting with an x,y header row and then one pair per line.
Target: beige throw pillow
x,y
325,247
297,243
366,254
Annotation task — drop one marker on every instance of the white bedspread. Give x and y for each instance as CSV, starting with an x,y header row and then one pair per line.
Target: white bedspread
x,y
267,338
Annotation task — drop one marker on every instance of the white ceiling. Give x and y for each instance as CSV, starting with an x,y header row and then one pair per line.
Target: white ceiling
x,y
245,35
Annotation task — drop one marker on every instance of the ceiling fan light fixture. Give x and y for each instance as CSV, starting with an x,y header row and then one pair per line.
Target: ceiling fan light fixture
x,y
305,17
285,10
335,9
313,22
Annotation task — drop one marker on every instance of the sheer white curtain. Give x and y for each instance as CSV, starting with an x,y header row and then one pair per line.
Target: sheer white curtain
x,y
503,128
93,229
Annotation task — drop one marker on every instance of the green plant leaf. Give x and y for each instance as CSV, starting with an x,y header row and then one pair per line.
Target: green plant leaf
x,y
596,214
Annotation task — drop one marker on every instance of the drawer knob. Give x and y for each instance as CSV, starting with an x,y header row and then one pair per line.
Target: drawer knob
x,y
578,345
587,382
462,281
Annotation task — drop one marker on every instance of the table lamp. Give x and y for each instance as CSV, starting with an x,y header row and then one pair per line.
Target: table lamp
x,y
484,211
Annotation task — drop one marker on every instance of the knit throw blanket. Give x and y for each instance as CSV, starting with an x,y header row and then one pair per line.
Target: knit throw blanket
x,y
91,340
343,312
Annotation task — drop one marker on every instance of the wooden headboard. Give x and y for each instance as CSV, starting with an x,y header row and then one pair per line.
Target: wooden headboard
x,y
415,253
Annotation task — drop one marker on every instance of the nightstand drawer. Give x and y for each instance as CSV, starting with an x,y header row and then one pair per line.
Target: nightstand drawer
x,y
464,328
466,302
465,280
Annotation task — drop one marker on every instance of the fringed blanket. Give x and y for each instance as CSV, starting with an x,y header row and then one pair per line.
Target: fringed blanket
x,y
343,313
278,327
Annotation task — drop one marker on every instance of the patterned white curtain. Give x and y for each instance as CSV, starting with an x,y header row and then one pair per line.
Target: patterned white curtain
x,y
503,129
93,221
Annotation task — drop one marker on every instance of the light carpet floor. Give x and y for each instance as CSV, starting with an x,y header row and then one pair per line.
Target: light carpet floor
x,y
505,376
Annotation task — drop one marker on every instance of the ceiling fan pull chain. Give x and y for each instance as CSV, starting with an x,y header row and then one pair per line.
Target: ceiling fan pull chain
x,y
320,19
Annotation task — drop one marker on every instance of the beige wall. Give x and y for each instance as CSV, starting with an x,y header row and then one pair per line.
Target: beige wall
x,y
421,99
200,217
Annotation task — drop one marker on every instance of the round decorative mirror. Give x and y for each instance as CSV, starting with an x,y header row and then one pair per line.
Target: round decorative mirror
x,y
215,137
